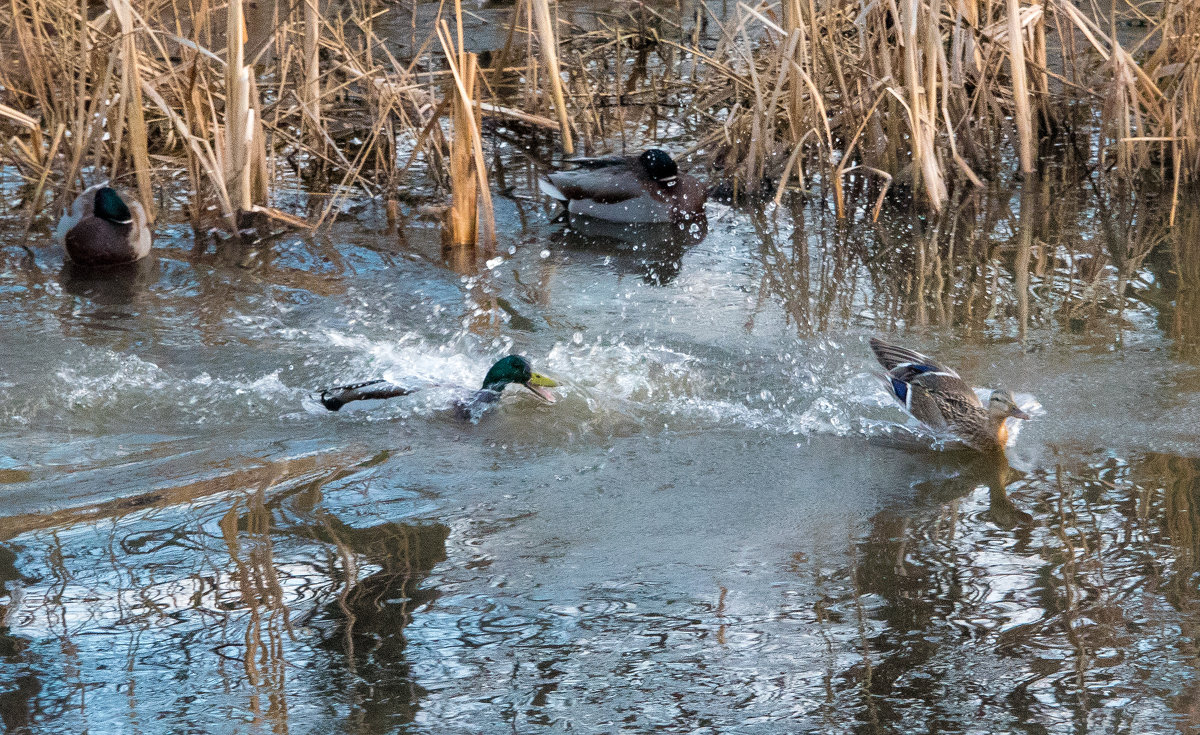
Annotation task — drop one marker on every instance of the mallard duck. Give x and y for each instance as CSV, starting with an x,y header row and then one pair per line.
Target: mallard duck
x,y
100,229
938,397
506,371
628,189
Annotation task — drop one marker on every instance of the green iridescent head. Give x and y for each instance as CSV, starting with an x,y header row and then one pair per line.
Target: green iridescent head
x,y
516,369
110,207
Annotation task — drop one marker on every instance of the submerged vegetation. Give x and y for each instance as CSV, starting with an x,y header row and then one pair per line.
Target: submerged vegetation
x,y
288,110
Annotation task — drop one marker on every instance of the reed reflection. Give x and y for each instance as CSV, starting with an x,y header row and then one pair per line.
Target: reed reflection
x,y
1020,258
19,683
1049,576
111,286
263,602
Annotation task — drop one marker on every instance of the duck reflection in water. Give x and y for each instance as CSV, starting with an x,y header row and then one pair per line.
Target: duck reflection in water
x,y
654,252
912,564
992,470
114,285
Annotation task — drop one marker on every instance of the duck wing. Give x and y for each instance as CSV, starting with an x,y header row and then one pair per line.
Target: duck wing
x,y
927,388
596,162
892,356
605,181
940,402
946,388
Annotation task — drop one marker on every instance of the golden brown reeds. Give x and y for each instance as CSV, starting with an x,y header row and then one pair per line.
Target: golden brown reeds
x,y
472,201
311,96
862,99
1022,110
131,105
549,43
243,162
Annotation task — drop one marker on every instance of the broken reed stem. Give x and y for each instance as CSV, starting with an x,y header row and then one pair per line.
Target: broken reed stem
x,y
131,93
471,195
922,87
312,65
237,108
463,216
549,42
245,163
1023,111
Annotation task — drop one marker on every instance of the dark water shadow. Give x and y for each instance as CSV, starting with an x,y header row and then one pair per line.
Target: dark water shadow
x,y
19,684
1008,597
111,286
365,624
653,252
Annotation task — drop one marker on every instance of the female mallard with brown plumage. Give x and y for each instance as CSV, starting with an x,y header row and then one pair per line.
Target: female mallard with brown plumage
x,y
938,397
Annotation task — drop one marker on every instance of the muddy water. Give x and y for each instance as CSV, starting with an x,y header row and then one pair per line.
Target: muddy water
x,y
722,526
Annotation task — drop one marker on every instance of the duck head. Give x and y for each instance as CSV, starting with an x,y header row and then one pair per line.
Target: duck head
x,y
1003,405
111,208
516,369
659,166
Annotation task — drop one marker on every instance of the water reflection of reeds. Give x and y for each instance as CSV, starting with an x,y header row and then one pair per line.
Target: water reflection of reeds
x,y
237,590
1180,273
1007,263
1056,581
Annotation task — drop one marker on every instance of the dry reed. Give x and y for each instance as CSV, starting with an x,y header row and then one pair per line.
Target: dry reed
x,y
862,100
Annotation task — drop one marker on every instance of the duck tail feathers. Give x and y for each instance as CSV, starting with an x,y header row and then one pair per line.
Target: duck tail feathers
x,y
549,189
335,398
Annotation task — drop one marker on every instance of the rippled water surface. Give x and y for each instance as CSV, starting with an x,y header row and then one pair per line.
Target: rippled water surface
x,y
723,525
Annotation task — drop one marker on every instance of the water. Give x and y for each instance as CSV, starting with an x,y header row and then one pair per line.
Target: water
x,y
723,525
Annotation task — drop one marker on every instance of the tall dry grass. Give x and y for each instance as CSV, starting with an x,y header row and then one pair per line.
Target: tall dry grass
x,y
925,95
856,100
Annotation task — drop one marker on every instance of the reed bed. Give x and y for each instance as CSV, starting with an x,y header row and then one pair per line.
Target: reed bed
x,y
856,100
929,95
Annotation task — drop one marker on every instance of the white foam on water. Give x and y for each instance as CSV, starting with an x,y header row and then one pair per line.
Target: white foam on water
x,y
119,387
815,389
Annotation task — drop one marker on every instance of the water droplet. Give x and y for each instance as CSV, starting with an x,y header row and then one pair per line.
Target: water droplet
x,y
545,254
491,264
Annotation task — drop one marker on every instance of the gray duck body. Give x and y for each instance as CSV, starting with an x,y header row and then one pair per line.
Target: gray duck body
x,y
640,189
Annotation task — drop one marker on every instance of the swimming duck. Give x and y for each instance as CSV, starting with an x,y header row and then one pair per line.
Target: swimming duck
x,y
506,371
100,229
628,189
936,396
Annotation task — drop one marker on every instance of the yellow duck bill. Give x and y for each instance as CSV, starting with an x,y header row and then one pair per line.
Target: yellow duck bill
x,y
539,384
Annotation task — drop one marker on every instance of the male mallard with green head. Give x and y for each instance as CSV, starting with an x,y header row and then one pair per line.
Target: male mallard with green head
x,y
936,396
629,189
510,370
100,229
